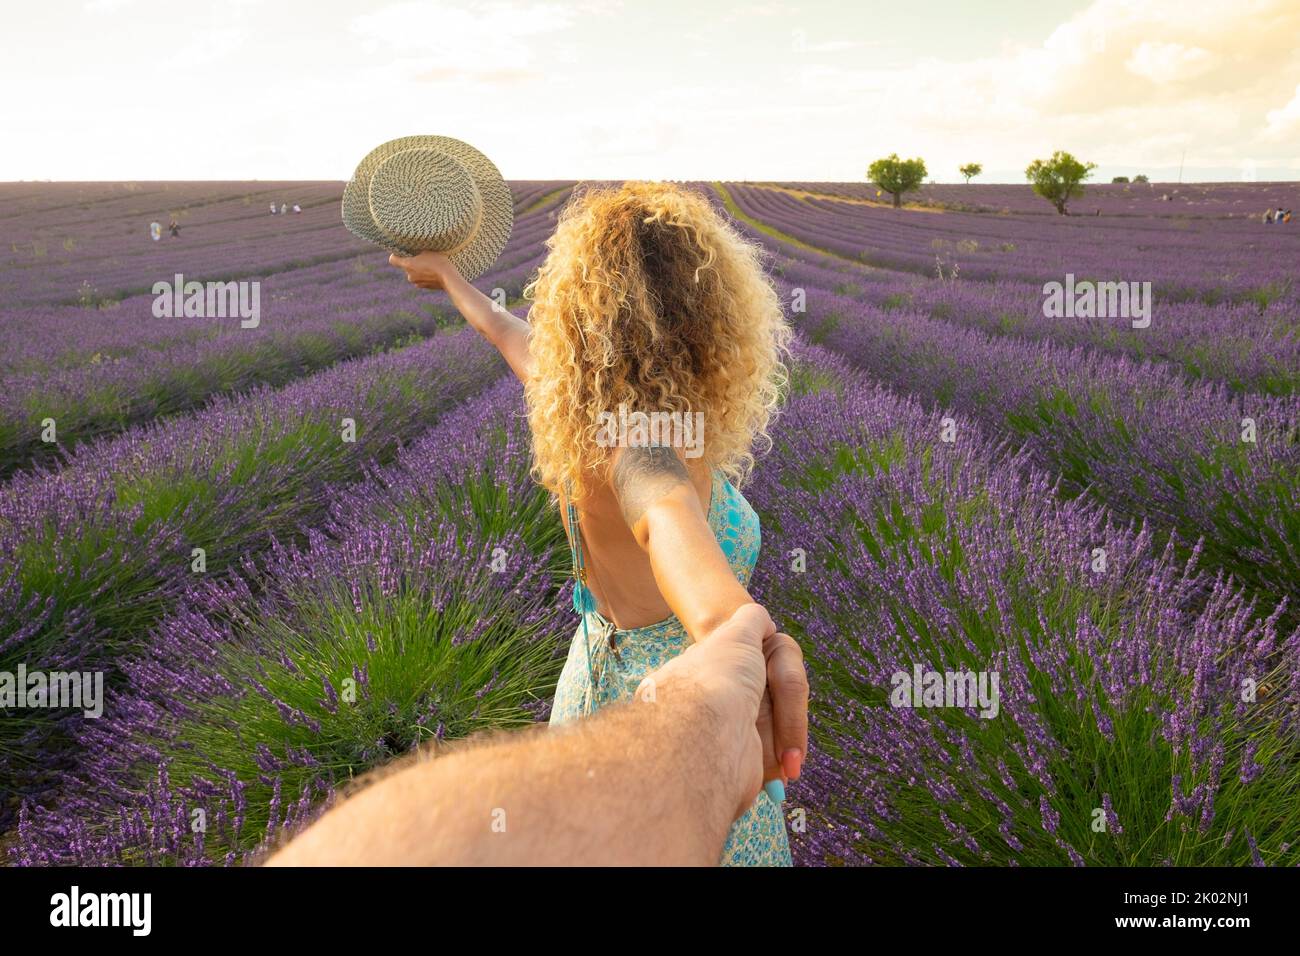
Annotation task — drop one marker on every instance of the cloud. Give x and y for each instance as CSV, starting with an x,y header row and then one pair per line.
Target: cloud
x,y
1170,62
506,76
107,6
802,45
768,9
1285,121
1132,83
467,37
824,78
567,88
201,48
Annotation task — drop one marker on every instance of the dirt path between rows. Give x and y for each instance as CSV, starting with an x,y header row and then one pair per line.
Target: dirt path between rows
x,y
806,194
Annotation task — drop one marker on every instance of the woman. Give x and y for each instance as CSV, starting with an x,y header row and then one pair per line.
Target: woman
x,y
650,302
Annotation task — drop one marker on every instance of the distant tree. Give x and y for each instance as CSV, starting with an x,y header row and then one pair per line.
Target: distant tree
x,y
1059,179
971,169
1141,178
897,176
1120,179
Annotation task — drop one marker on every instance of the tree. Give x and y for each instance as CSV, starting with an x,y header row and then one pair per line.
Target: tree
x,y
969,170
1141,178
1059,179
1120,179
897,176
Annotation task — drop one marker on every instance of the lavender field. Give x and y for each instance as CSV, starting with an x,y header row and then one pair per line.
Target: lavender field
x,y
1104,515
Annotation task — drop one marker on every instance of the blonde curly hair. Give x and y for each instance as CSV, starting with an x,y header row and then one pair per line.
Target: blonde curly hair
x,y
648,298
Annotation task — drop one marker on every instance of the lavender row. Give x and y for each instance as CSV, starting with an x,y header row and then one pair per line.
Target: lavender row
x,y
42,336
1214,465
26,208
108,219
1183,259
430,592
1191,200
107,253
1244,346
918,551
71,269
1133,689
529,194
303,334
1147,442
90,373
95,553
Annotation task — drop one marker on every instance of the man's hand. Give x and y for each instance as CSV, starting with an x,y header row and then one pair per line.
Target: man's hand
x,y
428,270
754,678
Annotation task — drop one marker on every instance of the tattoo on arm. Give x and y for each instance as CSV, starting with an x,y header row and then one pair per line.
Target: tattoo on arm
x,y
644,475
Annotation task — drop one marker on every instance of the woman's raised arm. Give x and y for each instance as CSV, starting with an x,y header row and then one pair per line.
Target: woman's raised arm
x,y
504,329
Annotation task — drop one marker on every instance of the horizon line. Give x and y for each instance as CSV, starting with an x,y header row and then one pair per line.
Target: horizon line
x,y
674,179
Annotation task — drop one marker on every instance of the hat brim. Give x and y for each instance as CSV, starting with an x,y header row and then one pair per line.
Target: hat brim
x,y
495,223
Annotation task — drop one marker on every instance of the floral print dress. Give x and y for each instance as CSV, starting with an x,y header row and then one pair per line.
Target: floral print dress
x,y
606,665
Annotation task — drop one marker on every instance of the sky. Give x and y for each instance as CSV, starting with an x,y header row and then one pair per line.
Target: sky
x,y
655,89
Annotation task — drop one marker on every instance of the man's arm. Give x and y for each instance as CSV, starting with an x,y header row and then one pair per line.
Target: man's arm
x,y
634,785
655,781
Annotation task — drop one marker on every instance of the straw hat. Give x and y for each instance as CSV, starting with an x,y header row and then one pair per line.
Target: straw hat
x,y
431,192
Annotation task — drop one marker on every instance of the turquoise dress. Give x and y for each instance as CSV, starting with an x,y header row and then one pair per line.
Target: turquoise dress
x,y
606,664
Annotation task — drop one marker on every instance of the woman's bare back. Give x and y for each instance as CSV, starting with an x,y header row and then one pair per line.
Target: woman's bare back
x,y
618,568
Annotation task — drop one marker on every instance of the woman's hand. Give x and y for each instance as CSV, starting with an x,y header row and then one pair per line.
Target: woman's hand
x,y
508,332
783,713
755,676
428,270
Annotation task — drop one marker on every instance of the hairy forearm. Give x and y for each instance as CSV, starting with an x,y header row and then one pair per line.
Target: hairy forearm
x,y
636,784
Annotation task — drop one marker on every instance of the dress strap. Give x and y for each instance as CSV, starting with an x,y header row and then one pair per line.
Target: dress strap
x,y
584,601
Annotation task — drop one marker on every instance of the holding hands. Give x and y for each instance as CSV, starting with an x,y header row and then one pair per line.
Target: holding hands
x,y
754,678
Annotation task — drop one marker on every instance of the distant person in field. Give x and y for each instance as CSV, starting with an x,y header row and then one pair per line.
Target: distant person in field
x,y
272,209
155,231
650,302
297,208
1287,216
283,209
174,229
